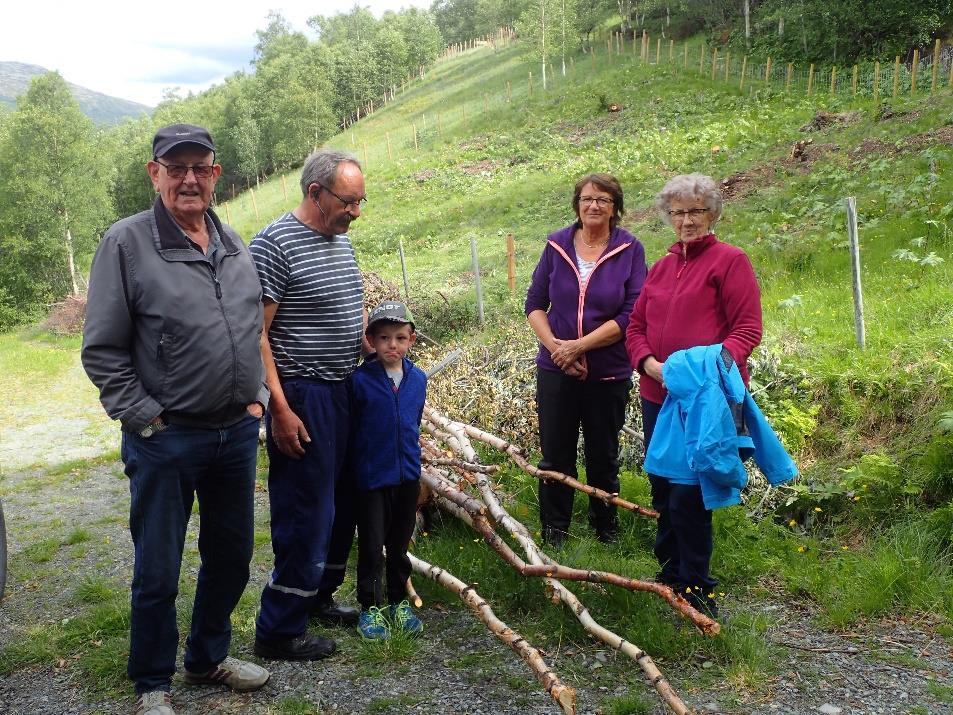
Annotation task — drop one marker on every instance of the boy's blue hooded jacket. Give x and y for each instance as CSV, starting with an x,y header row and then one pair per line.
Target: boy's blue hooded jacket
x,y
696,440
385,425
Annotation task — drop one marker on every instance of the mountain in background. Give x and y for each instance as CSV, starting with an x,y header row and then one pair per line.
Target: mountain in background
x,y
15,78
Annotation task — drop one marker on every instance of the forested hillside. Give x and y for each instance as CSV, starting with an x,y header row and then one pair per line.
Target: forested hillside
x,y
15,78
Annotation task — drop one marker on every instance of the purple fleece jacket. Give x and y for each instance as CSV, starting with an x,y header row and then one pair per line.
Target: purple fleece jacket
x,y
576,308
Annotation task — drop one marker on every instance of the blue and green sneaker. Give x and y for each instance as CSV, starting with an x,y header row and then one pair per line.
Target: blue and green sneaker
x,y
372,625
403,617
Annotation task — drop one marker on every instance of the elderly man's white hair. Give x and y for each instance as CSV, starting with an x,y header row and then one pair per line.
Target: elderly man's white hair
x,y
687,187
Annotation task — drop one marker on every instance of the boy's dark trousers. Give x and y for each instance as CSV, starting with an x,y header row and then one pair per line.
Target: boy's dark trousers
x,y
385,519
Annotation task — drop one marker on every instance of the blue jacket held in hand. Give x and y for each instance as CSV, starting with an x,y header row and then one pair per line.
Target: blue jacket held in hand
x,y
696,439
385,425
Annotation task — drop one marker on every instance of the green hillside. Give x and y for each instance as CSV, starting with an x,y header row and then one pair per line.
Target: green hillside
x,y
860,544
870,428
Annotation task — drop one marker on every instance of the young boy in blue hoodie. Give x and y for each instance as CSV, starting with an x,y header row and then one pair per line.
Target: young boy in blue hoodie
x,y
389,394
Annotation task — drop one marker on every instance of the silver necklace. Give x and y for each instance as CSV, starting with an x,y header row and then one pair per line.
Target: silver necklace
x,y
598,244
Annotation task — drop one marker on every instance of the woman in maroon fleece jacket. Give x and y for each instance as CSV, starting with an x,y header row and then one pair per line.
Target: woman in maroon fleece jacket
x,y
578,304
702,292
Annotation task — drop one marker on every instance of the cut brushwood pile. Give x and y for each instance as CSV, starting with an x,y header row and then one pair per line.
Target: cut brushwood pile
x,y
462,487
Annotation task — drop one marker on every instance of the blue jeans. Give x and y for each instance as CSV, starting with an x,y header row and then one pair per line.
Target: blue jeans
x,y
166,472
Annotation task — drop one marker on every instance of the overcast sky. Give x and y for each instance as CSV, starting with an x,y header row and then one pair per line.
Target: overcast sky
x,y
135,50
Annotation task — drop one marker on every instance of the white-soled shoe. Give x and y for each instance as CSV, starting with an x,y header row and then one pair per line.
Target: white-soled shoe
x,y
239,675
155,702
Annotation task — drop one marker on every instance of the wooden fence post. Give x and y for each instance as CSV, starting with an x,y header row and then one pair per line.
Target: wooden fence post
x,y
253,201
833,79
896,76
416,145
476,278
284,187
767,71
787,79
671,50
686,54
913,72
511,263
403,267
936,65
714,63
228,215
877,82
390,154
530,84
853,81
854,244
658,51
727,66
701,61
744,68
365,156
810,80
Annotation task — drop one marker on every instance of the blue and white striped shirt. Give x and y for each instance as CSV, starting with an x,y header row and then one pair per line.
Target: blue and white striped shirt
x,y
317,329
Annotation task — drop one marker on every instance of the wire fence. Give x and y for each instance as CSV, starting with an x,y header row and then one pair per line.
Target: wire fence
x,y
425,131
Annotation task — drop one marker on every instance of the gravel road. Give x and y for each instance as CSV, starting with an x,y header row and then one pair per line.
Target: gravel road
x,y
884,667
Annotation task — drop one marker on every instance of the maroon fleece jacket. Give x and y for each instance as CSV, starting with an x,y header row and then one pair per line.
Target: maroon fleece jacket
x,y
701,293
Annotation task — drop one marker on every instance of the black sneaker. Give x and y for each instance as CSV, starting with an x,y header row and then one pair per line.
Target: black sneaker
x,y
334,613
303,647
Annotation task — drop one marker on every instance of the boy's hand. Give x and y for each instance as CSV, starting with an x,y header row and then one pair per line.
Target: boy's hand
x,y
289,433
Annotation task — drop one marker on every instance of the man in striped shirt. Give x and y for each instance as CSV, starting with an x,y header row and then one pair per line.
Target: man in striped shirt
x,y
313,296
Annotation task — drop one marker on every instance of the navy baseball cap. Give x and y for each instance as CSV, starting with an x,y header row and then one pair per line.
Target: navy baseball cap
x,y
168,138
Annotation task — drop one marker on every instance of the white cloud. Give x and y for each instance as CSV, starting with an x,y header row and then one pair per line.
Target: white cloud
x,y
135,51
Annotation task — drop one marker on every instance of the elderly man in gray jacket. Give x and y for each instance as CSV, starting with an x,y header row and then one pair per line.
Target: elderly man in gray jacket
x,y
173,324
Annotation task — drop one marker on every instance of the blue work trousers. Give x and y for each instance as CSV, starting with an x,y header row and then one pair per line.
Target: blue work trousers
x,y
301,492
167,471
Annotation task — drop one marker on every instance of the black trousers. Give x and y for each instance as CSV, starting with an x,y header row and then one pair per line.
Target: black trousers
x,y
385,520
564,404
683,543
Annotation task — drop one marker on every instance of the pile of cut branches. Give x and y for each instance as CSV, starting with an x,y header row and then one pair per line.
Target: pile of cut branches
x,y
463,487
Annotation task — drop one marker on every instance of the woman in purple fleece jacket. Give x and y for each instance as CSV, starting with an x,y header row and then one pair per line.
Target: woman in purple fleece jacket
x,y
578,304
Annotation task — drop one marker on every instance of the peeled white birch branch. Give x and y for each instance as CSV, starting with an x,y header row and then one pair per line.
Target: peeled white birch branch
x,y
564,695
516,454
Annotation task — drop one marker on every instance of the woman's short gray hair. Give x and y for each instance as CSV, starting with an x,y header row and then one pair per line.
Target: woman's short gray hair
x,y
688,187
322,166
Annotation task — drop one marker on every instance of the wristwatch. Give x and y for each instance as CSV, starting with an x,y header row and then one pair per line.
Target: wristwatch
x,y
154,427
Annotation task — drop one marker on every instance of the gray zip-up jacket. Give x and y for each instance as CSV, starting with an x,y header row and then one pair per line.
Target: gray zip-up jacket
x,y
166,332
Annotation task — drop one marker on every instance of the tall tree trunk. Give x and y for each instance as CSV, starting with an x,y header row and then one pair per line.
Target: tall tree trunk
x,y
70,259
564,39
542,24
747,24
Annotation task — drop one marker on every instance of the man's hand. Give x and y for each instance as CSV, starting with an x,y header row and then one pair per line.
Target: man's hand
x,y
289,433
255,410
